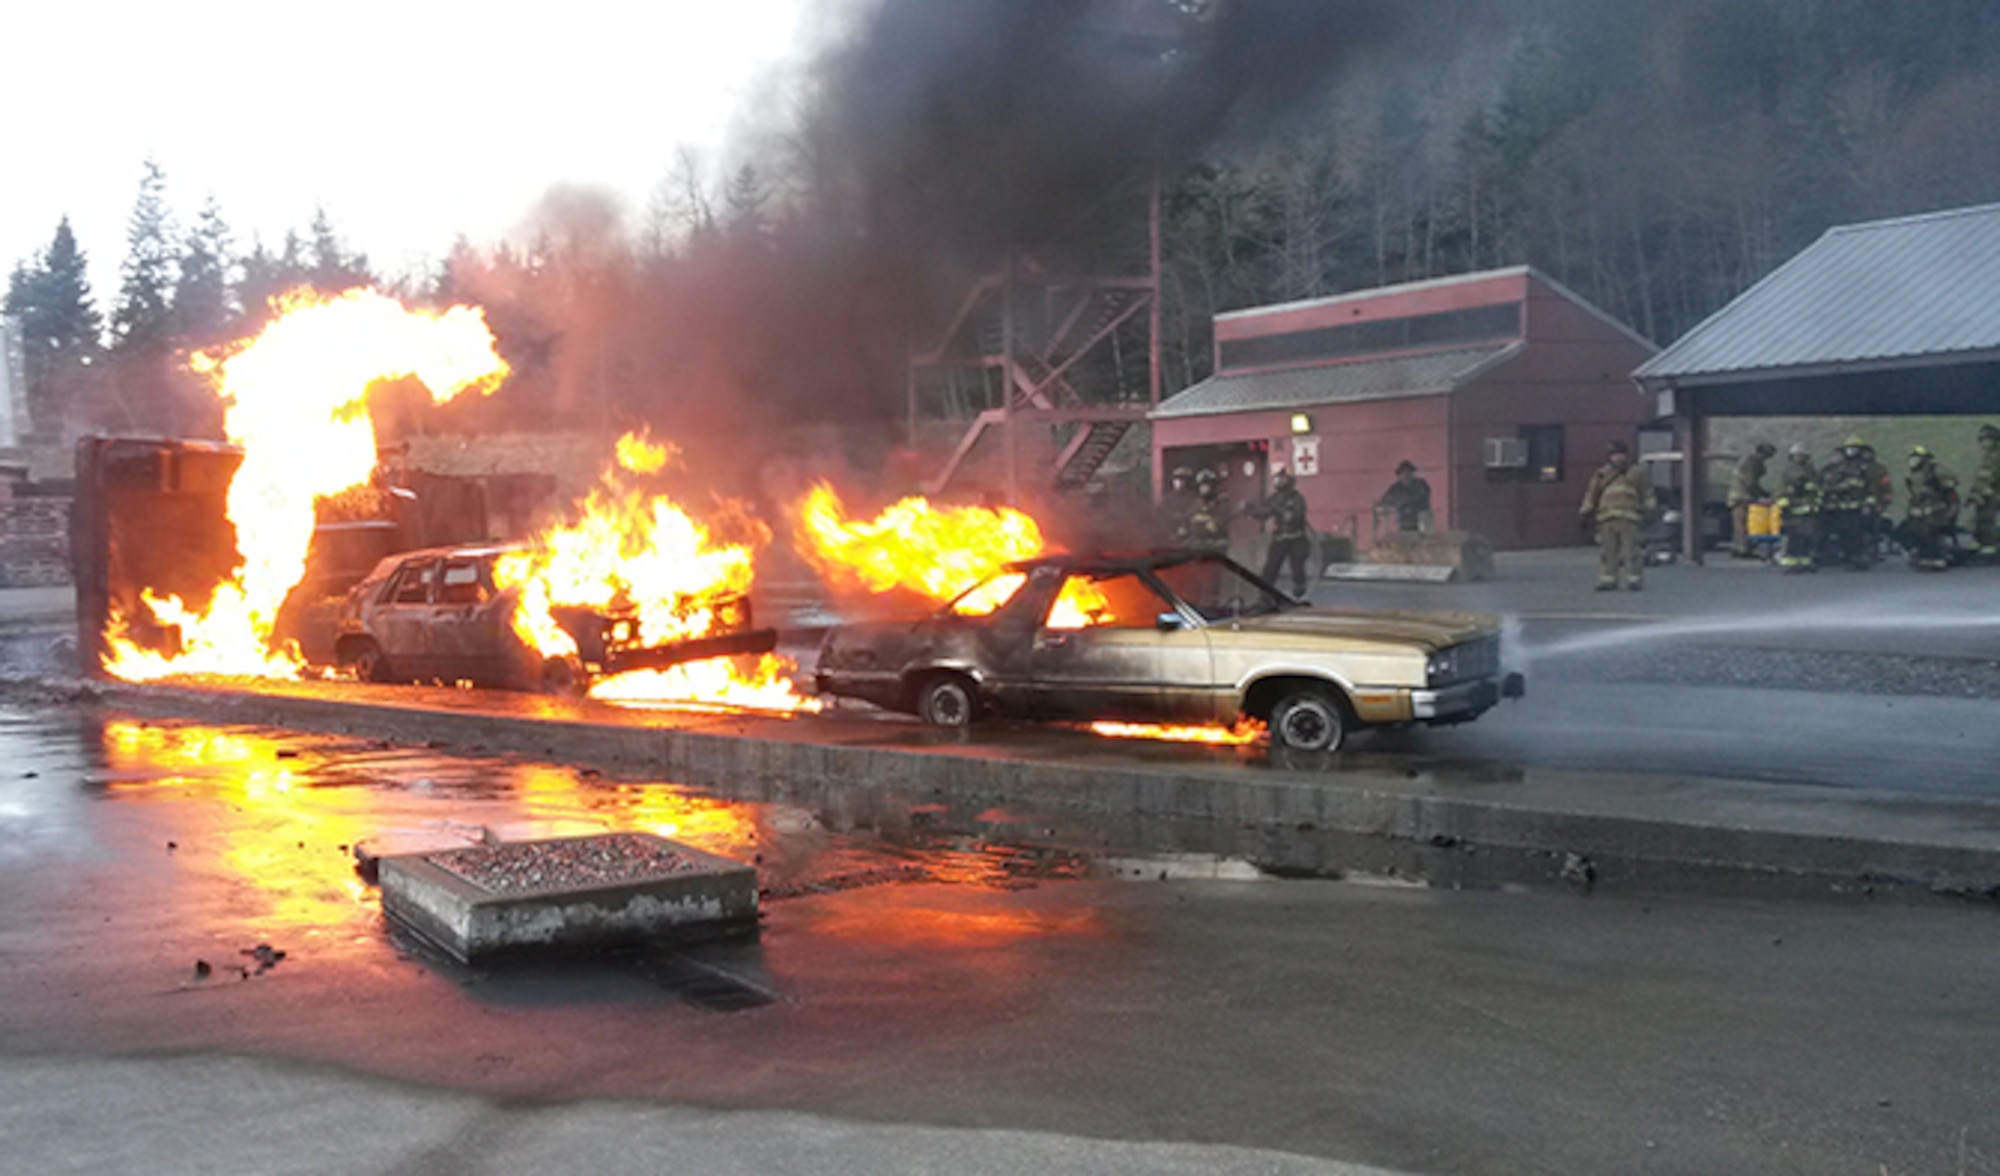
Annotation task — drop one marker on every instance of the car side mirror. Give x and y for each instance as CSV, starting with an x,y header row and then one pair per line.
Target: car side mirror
x,y
1168,622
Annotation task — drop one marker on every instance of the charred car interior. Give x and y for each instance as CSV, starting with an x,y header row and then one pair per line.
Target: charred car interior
x,y
438,614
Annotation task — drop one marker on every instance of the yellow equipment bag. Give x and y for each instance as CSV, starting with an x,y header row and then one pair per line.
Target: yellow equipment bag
x,y
1764,519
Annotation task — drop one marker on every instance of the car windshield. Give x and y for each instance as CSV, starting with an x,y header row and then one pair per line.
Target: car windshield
x,y
988,597
1219,590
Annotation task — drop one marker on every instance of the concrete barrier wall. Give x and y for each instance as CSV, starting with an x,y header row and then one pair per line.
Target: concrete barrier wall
x,y
34,542
1672,835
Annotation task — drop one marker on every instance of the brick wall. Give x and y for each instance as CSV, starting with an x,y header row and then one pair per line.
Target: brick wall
x,y
34,542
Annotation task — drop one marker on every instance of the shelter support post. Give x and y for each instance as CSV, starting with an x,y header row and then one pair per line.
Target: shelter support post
x,y
1694,483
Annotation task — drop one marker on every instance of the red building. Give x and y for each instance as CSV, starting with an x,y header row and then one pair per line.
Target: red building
x,y
1503,387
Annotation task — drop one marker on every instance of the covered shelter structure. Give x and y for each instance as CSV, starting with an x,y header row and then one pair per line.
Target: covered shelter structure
x,y
1895,317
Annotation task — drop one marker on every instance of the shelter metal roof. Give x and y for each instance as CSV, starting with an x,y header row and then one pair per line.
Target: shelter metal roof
x,y
1426,374
1913,290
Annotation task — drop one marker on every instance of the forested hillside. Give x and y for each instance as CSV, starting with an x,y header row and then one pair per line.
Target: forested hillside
x,y
1657,156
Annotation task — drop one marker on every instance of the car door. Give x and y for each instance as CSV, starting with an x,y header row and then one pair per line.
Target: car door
x,y
468,630
1188,692
1101,649
1217,595
403,620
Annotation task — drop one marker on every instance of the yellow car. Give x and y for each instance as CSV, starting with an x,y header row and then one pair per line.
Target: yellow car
x,y
1176,637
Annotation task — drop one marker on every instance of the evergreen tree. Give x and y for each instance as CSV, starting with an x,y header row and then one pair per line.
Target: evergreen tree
x,y
267,275
745,198
143,319
60,328
202,293
59,325
333,269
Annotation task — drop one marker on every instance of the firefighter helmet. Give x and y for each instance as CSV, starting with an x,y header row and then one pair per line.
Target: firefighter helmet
x,y
1799,449
1766,449
1283,479
1854,441
1989,433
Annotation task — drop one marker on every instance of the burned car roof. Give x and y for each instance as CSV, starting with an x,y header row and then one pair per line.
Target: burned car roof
x,y
1112,561
466,551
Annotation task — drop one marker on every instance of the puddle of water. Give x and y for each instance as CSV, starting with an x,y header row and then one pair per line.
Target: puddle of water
x,y
228,837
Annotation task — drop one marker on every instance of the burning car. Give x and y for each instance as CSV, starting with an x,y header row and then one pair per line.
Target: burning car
x,y
1175,638
437,615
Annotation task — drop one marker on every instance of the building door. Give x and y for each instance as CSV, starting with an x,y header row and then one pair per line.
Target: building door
x,y
1244,468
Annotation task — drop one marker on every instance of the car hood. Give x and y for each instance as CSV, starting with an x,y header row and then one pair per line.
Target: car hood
x,y
1432,630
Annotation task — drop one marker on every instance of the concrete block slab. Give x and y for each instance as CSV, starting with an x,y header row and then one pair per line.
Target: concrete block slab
x,y
1399,573
529,897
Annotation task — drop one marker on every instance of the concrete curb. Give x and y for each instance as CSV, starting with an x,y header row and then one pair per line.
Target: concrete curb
x,y
1585,832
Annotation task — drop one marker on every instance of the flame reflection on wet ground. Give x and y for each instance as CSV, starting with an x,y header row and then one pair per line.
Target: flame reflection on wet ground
x,y
249,835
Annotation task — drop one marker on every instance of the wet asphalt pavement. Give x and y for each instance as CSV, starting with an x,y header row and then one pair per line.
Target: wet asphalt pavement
x,y
989,989
929,990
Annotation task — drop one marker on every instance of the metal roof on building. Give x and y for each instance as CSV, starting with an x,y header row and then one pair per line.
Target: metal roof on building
x,y
1425,374
1918,289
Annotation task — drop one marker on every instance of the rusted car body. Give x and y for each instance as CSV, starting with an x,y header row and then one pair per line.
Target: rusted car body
x,y
1177,638
436,615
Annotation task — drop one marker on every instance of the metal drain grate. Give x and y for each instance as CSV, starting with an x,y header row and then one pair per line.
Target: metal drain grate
x,y
703,985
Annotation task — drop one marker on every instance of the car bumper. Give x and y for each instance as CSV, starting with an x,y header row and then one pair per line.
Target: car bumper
x,y
1463,701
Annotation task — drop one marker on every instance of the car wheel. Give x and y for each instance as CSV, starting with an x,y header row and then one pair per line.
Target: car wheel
x,y
562,677
1309,718
948,700
368,663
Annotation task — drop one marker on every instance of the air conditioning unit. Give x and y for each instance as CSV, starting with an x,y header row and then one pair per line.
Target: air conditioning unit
x,y
1506,453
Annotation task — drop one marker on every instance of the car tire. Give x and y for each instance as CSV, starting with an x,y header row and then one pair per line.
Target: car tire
x,y
368,663
1309,718
948,700
562,677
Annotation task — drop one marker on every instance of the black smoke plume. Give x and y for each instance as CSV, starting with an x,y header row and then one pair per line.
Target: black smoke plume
x,y
942,137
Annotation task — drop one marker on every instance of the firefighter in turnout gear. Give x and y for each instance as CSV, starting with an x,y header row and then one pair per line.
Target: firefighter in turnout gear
x,y
1175,506
1882,489
1746,486
1798,507
1290,541
1617,501
1850,505
1984,494
1409,497
1930,521
1206,527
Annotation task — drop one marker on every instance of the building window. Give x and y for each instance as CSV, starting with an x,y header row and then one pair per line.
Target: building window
x,y
1545,452
1478,324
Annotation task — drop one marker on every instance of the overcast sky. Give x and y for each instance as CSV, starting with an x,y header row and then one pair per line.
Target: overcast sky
x,y
409,121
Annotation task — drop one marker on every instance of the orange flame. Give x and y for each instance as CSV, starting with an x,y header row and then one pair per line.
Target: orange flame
x,y
629,549
296,397
1245,731
1080,606
721,683
933,551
